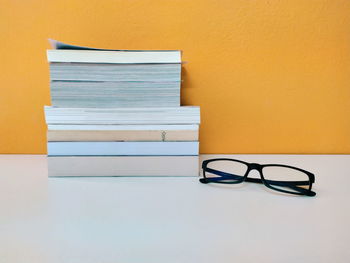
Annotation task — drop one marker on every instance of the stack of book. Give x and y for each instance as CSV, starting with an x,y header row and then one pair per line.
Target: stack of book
x,y
118,113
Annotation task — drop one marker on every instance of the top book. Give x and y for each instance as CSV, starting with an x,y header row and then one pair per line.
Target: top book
x,y
76,54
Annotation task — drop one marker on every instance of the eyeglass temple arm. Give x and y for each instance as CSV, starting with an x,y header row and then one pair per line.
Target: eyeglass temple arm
x,y
290,184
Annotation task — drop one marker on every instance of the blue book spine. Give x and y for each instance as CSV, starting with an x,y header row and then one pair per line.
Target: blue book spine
x,y
122,148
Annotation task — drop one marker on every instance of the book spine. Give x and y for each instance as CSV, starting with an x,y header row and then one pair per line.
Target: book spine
x,y
115,73
166,115
122,148
126,135
120,57
81,94
124,166
145,127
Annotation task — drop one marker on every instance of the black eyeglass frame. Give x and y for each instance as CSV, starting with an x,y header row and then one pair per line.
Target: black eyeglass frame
x,y
259,167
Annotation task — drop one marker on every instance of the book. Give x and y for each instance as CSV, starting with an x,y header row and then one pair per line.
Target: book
x,y
104,94
90,77
147,115
121,148
123,166
115,72
117,113
122,133
110,56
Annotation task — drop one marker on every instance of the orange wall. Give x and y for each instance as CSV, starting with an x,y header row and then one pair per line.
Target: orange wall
x,y
270,76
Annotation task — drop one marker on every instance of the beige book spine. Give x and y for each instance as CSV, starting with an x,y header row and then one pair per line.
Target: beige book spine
x,y
124,135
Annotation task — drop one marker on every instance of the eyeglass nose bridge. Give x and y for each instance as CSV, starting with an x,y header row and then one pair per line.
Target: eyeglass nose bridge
x,y
255,166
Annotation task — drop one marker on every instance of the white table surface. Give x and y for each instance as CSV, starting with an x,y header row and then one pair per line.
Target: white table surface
x,y
172,219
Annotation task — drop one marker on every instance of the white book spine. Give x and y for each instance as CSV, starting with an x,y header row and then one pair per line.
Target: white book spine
x,y
58,127
121,148
120,57
149,115
124,166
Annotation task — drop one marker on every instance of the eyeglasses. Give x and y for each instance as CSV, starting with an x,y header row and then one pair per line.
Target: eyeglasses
x,y
279,177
